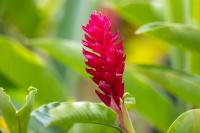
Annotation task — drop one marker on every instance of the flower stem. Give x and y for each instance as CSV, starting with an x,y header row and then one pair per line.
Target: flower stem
x,y
127,121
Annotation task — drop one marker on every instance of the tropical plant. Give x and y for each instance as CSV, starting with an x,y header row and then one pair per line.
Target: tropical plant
x,y
47,53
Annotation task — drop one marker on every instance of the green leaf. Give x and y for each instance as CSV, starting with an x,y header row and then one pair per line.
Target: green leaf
x,y
24,112
179,35
94,128
36,127
187,122
153,104
24,68
66,51
138,12
8,110
28,23
66,114
17,120
4,81
183,85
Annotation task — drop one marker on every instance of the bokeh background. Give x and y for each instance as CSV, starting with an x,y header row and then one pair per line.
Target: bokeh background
x,y
25,25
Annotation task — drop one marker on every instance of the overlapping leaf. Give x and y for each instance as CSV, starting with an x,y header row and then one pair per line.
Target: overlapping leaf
x,y
178,35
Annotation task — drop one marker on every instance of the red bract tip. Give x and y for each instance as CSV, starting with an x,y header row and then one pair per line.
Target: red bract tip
x,y
104,58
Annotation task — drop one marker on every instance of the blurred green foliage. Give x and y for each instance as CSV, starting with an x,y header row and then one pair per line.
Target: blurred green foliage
x,y
40,46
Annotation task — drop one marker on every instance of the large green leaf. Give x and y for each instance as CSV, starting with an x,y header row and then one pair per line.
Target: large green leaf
x,y
138,11
66,51
17,120
66,114
187,122
176,34
148,99
181,84
153,104
24,68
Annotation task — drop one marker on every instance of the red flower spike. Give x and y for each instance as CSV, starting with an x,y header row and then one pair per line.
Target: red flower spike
x,y
105,59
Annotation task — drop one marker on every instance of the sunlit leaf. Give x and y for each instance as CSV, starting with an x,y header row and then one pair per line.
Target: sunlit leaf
x,y
187,122
176,34
17,120
66,114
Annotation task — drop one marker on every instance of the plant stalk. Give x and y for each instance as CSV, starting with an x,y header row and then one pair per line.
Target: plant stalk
x,y
127,121
123,117
179,11
194,57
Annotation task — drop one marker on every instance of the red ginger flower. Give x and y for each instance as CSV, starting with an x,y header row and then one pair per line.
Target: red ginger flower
x,y
105,59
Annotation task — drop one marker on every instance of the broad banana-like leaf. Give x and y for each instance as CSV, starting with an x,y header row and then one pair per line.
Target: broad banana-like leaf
x,y
66,114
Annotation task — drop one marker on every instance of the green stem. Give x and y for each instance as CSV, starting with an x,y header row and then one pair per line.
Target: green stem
x,y
178,58
179,11
127,121
195,58
19,125
196,12
123,117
